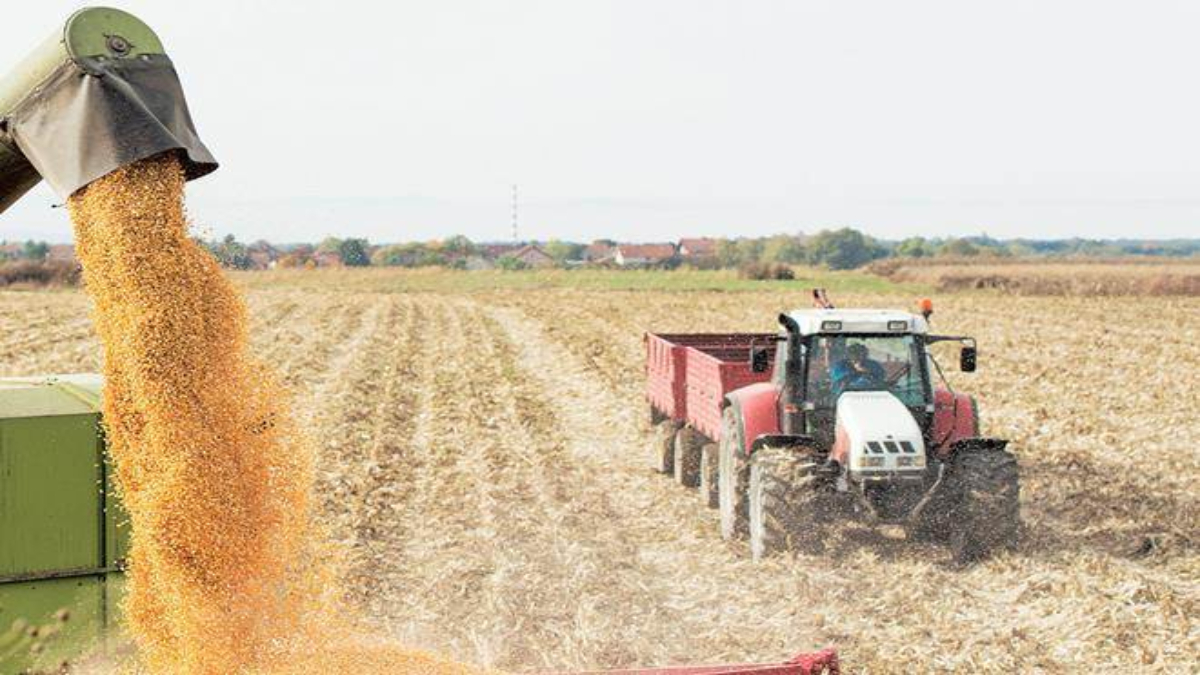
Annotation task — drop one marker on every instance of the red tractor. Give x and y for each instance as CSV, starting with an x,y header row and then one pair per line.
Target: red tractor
x,y
837,416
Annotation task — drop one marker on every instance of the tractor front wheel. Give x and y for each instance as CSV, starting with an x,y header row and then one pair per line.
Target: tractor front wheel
x,y
987,492
709,462
687,457
784,503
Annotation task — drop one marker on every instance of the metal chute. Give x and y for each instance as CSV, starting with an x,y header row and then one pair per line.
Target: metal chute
x,y
97,95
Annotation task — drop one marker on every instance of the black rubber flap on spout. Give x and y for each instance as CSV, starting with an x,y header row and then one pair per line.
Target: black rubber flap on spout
x,y
93,117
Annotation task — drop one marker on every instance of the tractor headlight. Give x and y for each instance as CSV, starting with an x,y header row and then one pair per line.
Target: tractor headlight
x,y
868,462
897,325
831,325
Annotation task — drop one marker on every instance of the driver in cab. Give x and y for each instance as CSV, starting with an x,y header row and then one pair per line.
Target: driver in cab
x,y
857,371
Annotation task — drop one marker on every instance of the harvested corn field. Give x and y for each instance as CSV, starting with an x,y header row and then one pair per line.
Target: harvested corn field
x,y
484,456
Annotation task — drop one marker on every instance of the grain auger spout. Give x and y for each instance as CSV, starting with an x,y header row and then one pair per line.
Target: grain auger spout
x,y
98,94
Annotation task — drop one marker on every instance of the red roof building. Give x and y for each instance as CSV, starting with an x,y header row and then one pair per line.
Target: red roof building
x,y
262,260
533,256
327,259
494,251
635,255
63,252
702,247
598,252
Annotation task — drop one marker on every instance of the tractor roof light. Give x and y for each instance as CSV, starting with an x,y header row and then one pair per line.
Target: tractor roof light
x,y
898,325
926,307
831,325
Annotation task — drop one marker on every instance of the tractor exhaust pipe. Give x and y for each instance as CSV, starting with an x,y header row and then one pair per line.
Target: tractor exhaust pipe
x,y
98,94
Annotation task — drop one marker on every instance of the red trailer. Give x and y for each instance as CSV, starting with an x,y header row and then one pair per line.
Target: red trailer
x,y
687,378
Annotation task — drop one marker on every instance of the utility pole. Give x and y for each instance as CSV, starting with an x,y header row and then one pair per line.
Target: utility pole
x,y
514,213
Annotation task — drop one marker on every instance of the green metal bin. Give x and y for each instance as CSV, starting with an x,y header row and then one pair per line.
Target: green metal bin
x,y
63,535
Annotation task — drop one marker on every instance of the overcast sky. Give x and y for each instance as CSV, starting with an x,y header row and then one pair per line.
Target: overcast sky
x,y
651,119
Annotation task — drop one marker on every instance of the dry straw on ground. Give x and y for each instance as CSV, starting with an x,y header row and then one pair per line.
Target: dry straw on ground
x,y
483,455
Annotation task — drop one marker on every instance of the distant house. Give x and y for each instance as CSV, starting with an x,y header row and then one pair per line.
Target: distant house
x,y
598,252
643,255
261,260
63,252
478,262
533,256
494,251
58,252
327,259
697,248
262,255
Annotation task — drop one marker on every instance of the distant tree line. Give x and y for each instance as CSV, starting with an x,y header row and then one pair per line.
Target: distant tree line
x,y
26,250
847,248
839,249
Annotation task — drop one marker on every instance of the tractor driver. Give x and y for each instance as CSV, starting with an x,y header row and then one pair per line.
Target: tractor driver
x,y
858,371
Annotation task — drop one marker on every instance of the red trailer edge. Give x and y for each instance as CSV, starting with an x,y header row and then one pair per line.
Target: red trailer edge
x,y
824,662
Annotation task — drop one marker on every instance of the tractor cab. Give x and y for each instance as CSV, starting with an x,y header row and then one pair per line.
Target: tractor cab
x,y
825,354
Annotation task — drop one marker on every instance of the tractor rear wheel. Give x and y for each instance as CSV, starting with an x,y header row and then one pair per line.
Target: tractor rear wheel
x,y
709,463
733,478
662,450
785,511
987,492
687,457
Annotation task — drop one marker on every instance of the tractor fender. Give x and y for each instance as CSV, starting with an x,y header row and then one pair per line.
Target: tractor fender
x,y
955,417
757,410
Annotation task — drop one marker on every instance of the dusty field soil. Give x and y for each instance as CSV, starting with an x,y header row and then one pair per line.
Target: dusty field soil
x,y
484,458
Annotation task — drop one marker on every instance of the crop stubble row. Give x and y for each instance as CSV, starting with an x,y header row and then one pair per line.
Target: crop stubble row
x,y
486,452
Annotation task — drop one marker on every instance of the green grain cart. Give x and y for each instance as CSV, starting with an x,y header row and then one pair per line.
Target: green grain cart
x,y
63,535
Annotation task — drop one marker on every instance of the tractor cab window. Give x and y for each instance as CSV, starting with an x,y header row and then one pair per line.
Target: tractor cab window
x,y
841,363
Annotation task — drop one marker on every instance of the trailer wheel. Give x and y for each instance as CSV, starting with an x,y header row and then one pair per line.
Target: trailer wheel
x,y
687,457
662,450
785,511
987,492
656,417
709,462
733,478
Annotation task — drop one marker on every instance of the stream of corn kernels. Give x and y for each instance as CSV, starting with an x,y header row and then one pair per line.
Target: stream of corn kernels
x,y
228,571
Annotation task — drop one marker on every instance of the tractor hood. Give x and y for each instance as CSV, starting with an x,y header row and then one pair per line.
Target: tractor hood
x,y
876,436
